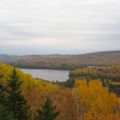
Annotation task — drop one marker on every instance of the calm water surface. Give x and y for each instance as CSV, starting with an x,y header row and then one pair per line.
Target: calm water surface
x,y
51,75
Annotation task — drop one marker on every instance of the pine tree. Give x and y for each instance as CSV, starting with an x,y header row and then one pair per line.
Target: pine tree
x,y
15,100
47,111
4,113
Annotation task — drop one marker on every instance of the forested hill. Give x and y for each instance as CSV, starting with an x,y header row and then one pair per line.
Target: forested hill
x,y
58,61
25,98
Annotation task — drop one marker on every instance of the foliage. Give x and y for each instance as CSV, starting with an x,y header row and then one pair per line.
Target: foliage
x,y
96,100
87,99
47,111
109,75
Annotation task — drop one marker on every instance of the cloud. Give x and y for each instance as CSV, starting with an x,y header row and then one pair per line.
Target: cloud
x,y
59,25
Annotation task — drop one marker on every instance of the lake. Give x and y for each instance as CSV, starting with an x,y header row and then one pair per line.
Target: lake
x,y
46,74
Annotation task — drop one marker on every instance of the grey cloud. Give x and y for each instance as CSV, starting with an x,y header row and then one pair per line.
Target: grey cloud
x,y
72,25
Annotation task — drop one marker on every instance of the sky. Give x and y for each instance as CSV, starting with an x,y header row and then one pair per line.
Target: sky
x,y
59,26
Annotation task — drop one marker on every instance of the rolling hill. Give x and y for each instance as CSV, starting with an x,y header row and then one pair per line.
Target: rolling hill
x,y
58,61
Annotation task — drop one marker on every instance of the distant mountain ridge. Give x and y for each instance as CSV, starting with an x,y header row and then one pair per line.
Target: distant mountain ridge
x,y
59,61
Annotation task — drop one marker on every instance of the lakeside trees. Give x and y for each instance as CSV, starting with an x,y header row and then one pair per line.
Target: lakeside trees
x,y
85,101
20,92
108,75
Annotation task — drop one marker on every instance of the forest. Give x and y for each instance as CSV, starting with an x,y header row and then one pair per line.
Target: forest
x,y
108,75
91,93
61,61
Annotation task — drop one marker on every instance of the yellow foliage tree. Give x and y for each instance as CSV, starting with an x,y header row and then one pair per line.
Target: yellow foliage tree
x,y
95,99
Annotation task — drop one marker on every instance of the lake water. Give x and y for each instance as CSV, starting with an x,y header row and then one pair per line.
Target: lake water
x,y
46,74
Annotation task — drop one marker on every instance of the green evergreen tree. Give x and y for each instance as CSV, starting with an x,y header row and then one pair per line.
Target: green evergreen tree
x,y
4,113
16,102
47,111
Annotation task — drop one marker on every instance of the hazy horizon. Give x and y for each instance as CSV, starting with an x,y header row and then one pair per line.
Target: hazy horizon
x,y
63,53
59,26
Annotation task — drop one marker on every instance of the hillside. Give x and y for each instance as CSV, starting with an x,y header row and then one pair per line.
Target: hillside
x,y
63,61
94,100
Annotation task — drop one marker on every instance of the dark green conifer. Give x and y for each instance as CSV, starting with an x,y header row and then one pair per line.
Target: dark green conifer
x,y
4,113
16,102
47,111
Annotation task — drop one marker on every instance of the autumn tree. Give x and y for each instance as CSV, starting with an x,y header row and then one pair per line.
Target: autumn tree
x,y
67,105
95,99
